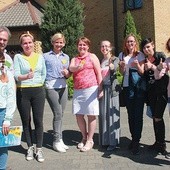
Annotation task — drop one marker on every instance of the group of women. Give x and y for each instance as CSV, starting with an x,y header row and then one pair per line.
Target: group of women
x,y
141,85
96,91
145,80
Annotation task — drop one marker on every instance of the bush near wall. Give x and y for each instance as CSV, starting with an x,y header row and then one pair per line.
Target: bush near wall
x,y
70,87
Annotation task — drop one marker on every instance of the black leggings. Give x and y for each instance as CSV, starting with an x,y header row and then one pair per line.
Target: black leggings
x,y
27,98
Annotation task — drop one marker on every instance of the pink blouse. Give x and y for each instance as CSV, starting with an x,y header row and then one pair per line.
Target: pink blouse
x,y
85,77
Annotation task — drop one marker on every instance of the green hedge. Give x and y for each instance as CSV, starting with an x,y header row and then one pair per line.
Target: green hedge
x,y
70,87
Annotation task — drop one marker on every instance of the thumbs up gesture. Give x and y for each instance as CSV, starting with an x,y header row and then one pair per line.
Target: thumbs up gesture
x,y
161,65
30,75
122,63
135,63
148,65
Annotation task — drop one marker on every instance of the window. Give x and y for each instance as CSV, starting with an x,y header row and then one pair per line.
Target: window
x,y
132,4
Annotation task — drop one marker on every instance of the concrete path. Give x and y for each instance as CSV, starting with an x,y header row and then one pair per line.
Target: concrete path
x,y
98,158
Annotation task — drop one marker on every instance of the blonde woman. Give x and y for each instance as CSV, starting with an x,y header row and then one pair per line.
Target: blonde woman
x,y
30,73
57,63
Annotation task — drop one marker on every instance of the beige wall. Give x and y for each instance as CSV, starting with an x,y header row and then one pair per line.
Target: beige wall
x,y
98,22
162,23
4,3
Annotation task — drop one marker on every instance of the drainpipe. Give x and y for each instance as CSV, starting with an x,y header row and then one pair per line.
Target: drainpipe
x,y
115,26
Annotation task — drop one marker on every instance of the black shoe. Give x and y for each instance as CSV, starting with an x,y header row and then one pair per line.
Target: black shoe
x,y
162,149
154,147
135,148
167,156
158,147
130,146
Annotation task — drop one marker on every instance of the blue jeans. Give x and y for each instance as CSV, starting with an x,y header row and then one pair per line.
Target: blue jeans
x,y
135,104
3,150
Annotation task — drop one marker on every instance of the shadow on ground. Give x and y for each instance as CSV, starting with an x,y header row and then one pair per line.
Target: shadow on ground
x,y
70,138
145,157
73,137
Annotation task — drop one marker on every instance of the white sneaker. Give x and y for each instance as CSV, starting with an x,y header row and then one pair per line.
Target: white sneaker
x,y
64,146
40,155
57,146
30,153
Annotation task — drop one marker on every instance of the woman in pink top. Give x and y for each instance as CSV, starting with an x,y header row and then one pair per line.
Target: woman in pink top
x,y
87,90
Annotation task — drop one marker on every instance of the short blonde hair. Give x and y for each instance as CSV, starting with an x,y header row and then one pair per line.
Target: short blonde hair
x,y
26,34
58,36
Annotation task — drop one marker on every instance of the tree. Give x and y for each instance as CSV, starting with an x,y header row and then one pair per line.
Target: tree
x,y
130,26
65,16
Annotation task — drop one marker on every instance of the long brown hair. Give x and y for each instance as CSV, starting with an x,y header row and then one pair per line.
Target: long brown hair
x,y
3,76
125,50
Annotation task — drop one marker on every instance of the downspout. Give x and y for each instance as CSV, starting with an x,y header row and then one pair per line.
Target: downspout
x,y
115,26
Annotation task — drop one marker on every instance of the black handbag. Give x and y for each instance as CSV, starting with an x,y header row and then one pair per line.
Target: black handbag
x,y
122,93
122,97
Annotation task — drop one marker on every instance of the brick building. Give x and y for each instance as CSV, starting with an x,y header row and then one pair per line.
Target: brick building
x,y
20,16
103,20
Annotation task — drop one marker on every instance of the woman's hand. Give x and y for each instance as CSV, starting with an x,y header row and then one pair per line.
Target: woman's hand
x,y
100,94
135,63
66,73
5,129
111,66
148,65
122,66
161,65
30,75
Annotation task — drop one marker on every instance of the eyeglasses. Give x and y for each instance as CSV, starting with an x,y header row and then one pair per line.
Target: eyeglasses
x,y
105,46
131,41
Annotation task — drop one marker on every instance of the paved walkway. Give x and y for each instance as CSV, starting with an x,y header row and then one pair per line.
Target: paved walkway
x,y
97,158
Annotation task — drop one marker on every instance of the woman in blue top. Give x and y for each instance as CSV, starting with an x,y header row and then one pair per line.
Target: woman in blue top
x,y
30,73
57,64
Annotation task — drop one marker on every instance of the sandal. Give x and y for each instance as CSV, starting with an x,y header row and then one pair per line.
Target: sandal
x,y
87,146
81,144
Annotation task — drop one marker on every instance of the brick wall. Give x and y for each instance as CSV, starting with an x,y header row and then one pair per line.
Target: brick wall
x,y
152,20
143,17
98,22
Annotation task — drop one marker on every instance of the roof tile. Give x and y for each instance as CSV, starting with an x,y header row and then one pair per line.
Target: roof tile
x,y
20,15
